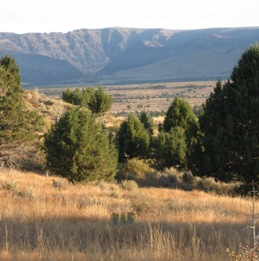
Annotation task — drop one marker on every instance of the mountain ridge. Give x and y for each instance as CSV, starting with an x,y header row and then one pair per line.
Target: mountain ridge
x,y
126,55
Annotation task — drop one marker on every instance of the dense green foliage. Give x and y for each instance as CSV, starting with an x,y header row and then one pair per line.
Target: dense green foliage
x,y
78,148
18,125
171,143
147,122
100,102
171,148
227,141
179,114
77,96
96,100
133,139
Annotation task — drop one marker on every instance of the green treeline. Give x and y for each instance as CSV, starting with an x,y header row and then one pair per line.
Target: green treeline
x,y
95,100
221,142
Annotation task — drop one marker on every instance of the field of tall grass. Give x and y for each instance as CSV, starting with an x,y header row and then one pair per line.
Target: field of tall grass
x,y
47,218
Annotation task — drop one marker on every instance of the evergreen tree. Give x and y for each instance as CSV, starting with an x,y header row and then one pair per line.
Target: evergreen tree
x,y
78,97
78,148
171,149
100,102
179,114
228,140
172,144
96,100
10,66
147,122
18,126
133,139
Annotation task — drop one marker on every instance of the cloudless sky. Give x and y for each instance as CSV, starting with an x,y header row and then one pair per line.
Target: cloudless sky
x,y
23,16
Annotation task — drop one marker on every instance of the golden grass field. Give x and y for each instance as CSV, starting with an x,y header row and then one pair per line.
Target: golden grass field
x,y
158,96
46,218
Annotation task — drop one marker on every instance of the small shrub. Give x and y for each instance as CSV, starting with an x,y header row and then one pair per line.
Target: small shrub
x,y
28,193
168,181
130,218
59,184
188,177
103,185
115,217
208,184
10,185
129,185
140,204
138,167
196,181
123,218
115,193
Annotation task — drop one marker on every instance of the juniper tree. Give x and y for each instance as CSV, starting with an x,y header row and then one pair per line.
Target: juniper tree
x,y
78,148
147,122
18,125
228,135
100,102
96,100
132,139
171,143
179,114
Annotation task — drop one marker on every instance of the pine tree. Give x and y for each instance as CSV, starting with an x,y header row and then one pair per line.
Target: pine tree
x,y
171,149
147,122
78,148
171,144
95,100
229,125
19,127
179,114
133,139
100,102
78,97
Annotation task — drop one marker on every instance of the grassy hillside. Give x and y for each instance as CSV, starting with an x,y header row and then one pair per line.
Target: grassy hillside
x,y
46,218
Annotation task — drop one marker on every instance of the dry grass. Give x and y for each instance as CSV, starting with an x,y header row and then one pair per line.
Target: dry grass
x,y
157,96
49,107
46,218
153,97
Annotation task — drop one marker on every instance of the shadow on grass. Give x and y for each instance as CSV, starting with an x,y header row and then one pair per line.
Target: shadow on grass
x,y
84,234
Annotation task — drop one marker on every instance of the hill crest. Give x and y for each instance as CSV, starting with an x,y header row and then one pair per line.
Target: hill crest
x,y
126,55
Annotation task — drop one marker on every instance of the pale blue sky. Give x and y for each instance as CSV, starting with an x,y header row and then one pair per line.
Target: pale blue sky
x,y
22,16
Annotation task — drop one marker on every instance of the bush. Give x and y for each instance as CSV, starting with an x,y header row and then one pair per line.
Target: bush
x,y
78,148
138,167
188,177
59,184
129,185
10,185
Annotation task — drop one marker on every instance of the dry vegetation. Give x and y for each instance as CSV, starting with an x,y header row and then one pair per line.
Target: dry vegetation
x,y
154,97
46,218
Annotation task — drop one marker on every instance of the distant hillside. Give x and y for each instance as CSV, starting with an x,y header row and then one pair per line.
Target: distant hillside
x,y
122,55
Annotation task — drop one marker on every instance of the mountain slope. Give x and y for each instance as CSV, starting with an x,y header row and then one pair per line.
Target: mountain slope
x,y
123,55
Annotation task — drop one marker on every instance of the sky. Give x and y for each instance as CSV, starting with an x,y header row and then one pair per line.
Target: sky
x,y
45,16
